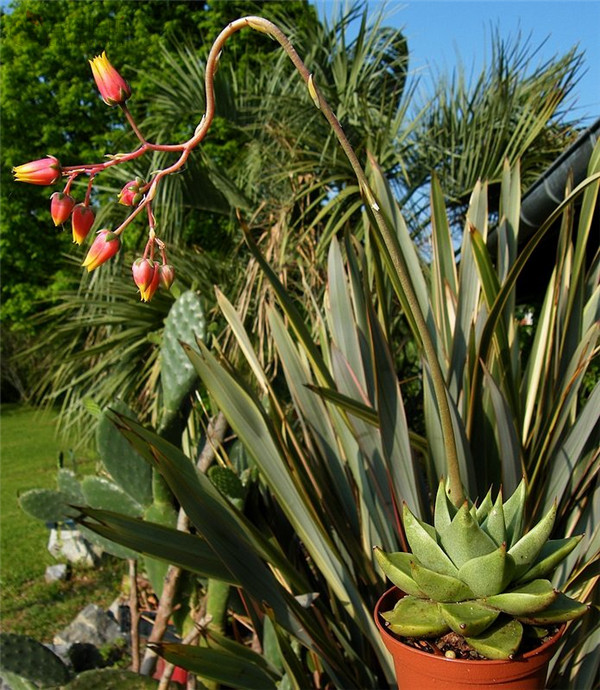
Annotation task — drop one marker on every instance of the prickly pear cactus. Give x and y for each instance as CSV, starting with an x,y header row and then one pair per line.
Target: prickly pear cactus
x,y
30,660
127,468
48,505
228,483
101,493
185,323
475,572
112,679
67,482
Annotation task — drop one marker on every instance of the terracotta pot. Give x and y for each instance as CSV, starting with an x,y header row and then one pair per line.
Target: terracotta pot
x,y
418,670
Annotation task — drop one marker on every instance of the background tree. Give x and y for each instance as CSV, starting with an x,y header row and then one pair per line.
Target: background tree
x,y
268,151
50,104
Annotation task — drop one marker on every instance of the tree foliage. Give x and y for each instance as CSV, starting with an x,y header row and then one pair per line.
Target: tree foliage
x,y
50,105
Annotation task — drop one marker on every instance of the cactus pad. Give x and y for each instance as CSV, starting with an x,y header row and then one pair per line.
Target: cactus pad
x,y
112,679
185,323
48,505
31,660
127,468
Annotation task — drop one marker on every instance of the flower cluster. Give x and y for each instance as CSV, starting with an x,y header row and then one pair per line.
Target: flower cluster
x,y
148,274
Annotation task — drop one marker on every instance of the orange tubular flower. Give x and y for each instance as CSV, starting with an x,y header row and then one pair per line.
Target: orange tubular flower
x,y
44,171
82,220
61,205
104,247
113,88
146,276
143,272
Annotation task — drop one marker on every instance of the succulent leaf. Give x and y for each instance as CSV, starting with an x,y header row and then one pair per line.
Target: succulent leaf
x,y
468,618
499,641
463,566
439,587
426,549
464,539
444,509
489,574
485,507
530,598
397,568
527,549
494,525
514,514
413,617
561,610
551,554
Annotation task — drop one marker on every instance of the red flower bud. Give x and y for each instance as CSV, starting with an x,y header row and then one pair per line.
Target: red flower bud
x,y
146,276
82,220
131,195
61,206
104,247
44,171
167,275
143,271
113,88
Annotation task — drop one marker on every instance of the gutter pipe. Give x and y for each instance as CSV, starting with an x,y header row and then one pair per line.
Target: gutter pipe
x,y
547,192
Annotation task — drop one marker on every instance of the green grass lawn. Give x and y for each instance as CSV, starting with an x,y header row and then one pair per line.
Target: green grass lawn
x,y
27,604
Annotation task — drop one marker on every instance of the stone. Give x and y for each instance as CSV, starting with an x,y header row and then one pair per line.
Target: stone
x,y
56,573
67,542
61,651
91,626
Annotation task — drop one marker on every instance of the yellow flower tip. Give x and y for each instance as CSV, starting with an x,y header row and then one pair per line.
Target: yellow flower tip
x,y
89,263
113,88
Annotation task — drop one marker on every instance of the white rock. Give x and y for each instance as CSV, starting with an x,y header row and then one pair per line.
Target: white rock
x,y
67,542
55,573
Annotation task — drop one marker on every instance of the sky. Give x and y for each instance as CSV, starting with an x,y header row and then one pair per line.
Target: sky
x,y
438,31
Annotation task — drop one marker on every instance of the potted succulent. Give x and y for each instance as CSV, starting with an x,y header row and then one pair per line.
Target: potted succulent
x,y
476,586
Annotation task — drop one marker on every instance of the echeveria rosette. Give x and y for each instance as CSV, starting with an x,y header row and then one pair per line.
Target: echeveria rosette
x,y
476,573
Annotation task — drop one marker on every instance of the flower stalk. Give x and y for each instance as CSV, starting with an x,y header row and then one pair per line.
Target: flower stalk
x,y
455,486
116,91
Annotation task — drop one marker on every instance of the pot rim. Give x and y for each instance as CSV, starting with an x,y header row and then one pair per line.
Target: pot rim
x,y
426,655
